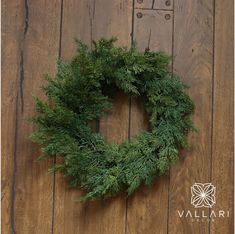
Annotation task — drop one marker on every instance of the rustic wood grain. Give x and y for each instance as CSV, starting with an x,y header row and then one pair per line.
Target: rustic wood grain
x,y
193,61
12,28
223,112
75,23
109,215
153,29
32,188
163,4
154,4
32,38
148,207
112,19
148,4
91,20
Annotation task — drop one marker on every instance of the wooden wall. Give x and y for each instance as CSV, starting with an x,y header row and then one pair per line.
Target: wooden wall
x,y
199,36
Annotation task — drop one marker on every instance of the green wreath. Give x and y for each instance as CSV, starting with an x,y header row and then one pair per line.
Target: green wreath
x,y
82,91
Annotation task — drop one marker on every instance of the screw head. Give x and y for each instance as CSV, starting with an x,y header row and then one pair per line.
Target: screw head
x,y
139,15
168,3
167,16
140,1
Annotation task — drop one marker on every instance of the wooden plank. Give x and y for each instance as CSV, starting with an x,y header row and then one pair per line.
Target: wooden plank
x,y
113,18
12,25
153,29
154,4
193,60
148,4
91,20
76,23
33,200
109,216
147,208
163,4
223,139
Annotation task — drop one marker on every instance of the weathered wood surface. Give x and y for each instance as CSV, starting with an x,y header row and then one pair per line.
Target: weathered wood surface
x,y
152,30
223,113
198,34
31,38
155,4
86,20
11,36
193,61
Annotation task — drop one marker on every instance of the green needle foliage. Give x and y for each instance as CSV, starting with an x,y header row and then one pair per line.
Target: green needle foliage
x,y
83,89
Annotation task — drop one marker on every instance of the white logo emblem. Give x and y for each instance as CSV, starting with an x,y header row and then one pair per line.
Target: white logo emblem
x,y
203,195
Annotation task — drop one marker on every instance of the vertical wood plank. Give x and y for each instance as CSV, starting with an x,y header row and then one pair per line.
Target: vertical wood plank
x,y
148,207
91,20
33,199
109,215
223,139
76,23
69,216
12,31
113,18
193,61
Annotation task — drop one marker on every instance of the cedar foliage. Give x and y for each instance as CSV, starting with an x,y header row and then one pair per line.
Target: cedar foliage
x,y
83,89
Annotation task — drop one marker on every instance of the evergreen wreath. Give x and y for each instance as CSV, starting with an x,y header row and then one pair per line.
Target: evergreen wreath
x,y
82,90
